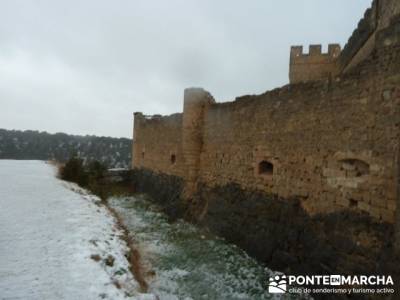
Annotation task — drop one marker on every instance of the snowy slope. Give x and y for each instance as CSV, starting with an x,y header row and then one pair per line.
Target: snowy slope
x,y
47,235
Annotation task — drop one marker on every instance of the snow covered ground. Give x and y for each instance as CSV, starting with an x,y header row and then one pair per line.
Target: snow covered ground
x,y
48,233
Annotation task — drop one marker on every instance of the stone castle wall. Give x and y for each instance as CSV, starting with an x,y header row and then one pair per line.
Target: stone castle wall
x,y
305,178
362,41
333,145
330,143
157,144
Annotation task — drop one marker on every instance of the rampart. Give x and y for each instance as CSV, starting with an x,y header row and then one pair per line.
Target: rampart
x,y
332,144
304,177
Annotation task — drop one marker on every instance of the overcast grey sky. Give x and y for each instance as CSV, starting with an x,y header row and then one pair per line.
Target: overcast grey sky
x,y
84,66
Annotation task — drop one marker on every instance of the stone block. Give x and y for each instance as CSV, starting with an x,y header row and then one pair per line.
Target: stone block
x,y
387,215
364,206
391,205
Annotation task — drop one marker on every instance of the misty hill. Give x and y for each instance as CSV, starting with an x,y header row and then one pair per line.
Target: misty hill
x,y
15,144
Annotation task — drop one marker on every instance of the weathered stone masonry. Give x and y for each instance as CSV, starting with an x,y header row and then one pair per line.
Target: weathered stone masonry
x,y
332,144
325,145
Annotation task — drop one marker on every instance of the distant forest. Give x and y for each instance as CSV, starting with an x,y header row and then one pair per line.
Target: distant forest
x,y
35,145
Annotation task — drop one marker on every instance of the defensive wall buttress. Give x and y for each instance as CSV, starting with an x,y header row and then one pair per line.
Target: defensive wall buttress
x,y
327,145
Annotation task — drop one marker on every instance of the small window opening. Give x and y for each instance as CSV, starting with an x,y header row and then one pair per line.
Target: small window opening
x,y
353,203
173,158
265,168
143,155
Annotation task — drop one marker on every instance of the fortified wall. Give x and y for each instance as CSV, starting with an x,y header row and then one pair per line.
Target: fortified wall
x,y
316,65
331,144
320,155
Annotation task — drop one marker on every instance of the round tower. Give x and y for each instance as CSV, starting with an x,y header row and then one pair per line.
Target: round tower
x,y
196,102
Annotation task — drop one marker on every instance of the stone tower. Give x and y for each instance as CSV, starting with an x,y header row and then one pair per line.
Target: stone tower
x,y
313,66
196,102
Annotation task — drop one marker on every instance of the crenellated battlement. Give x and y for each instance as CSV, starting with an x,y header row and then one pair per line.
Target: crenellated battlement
x,y
313,65
296,52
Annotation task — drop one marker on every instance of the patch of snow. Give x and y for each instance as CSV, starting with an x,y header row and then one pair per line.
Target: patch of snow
x,y
48,232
